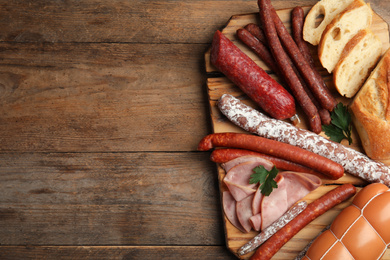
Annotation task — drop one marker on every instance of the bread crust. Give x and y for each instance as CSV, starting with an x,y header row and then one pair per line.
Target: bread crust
x,y
371,112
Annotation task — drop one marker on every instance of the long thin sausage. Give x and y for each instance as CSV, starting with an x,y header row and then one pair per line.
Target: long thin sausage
x,y
250,78
297,21
273,228
315,83
226,154
313,210
274,148
256,122
291,78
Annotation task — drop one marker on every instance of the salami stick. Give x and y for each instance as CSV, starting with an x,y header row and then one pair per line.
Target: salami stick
x,y
288,72
250,78
227,154
315,83
274,148
313,210
273,228
256,122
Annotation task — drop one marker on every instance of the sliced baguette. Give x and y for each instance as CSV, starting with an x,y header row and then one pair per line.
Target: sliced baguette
x,y
357,59
319,16
371,112
344,26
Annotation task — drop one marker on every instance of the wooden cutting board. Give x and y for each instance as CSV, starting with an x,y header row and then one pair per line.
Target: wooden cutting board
x,y
217,85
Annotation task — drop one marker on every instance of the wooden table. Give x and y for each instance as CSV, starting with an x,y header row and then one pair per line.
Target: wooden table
x,y
102,105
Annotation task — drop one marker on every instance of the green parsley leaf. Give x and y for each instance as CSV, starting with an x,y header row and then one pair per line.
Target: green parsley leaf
x,y
265,179
340,127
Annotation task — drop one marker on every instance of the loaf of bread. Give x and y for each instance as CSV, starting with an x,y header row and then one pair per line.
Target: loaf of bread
x,y
371,112
360,231
319,16
357,16
358,58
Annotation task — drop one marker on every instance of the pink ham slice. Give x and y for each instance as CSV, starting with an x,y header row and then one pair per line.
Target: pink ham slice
x,y
239,173
230,164
292,186
255,222
244,212
229,208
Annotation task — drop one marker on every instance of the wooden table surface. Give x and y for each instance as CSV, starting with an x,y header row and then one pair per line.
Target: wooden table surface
x,y
102,105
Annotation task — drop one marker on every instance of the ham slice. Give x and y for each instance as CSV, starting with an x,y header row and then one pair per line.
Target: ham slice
x,y
244,212
237,179
229,208
244,205
292,186
230,164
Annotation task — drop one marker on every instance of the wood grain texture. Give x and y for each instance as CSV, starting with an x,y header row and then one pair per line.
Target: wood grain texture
x,y
220,85
109,199
101,97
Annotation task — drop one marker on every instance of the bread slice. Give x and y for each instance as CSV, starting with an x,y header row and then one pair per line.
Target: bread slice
x,y
343,27
371,112
319,16
357,60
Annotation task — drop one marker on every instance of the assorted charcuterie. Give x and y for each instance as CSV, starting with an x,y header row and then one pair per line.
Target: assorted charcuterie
x,y
266,173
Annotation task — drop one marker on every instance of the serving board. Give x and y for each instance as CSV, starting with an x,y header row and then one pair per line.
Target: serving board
x,y
217,85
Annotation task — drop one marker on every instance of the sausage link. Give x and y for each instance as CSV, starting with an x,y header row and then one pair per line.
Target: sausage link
x,y
273,228
298,17
257,47
250,78
283,62
281,150
312,211
256,31
227,154
315,83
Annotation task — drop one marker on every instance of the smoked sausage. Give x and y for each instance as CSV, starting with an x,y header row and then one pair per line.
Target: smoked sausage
x,y
250,78
315,83
278,149
288,72
312,211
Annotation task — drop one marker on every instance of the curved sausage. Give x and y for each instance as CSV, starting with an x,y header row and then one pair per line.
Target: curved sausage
x,y
288,72
312,211
315,83
274,148
250,78
226,154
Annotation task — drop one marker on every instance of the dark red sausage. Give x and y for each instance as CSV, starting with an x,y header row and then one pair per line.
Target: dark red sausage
x,y
298,19
288,72
315,83
256,31
250,78
313,210
251,38
271,147
227,154
257,47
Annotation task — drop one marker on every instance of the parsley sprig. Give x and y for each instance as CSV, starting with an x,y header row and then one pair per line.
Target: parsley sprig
x,y
265,178
340,127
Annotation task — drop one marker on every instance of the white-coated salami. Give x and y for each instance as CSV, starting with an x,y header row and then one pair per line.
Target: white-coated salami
x,y
253,121
273,228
